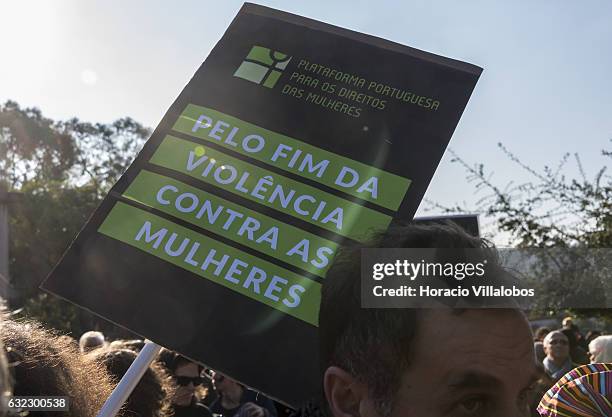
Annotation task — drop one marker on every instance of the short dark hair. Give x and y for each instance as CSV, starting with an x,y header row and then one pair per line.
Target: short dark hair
x,y
541,333
374,345
152,396
171,360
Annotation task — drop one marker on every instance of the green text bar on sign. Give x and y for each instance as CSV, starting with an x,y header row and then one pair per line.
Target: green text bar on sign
x,y
250,228
256,184
248,275
292,155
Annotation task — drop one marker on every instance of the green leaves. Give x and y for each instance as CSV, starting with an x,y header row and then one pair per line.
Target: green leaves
x,y
551,211
63,170
37,149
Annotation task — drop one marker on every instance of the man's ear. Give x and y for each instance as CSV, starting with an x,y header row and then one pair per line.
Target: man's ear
x,y
345,395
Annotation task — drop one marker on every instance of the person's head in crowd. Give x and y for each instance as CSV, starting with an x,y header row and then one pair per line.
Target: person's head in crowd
x,y
226,387
556,347
42,363
152,396
420,362
134,345
591,334
116,344
538,347
236,400
577,353
571,336
540,334
600,349
576,338
91,340
567,322
558,360
187,376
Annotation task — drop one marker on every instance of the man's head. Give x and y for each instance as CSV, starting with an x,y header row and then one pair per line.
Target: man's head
x,y
425,363
91,340
151,396
540,334
600,350
227,387
556,346
188,376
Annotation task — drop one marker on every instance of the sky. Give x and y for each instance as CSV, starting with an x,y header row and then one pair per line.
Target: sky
x,y
545,89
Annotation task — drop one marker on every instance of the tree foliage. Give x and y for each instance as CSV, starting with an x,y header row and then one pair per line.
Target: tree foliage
x,y
549,210
62,169
32,147
552,210
35,149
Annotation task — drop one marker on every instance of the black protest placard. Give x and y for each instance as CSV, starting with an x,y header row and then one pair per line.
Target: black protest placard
x,y
292,137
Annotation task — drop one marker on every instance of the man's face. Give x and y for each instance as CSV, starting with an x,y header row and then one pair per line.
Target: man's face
x,y
479,363
556,346
223,384
187,375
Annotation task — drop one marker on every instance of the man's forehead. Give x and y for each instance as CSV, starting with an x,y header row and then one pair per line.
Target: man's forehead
x,y
485,350
482,340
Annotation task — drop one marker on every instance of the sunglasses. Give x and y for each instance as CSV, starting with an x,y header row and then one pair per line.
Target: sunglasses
x,y
185,380
559,342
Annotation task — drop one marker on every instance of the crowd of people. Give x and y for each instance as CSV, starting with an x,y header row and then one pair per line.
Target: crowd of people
x,y
566,351
566,348
40,362
437,362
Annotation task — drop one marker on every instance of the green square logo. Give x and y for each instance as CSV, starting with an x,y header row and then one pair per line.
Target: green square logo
x,y
263,66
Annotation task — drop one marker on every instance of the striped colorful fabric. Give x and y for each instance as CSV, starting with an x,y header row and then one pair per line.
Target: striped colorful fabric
x,y
583,392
